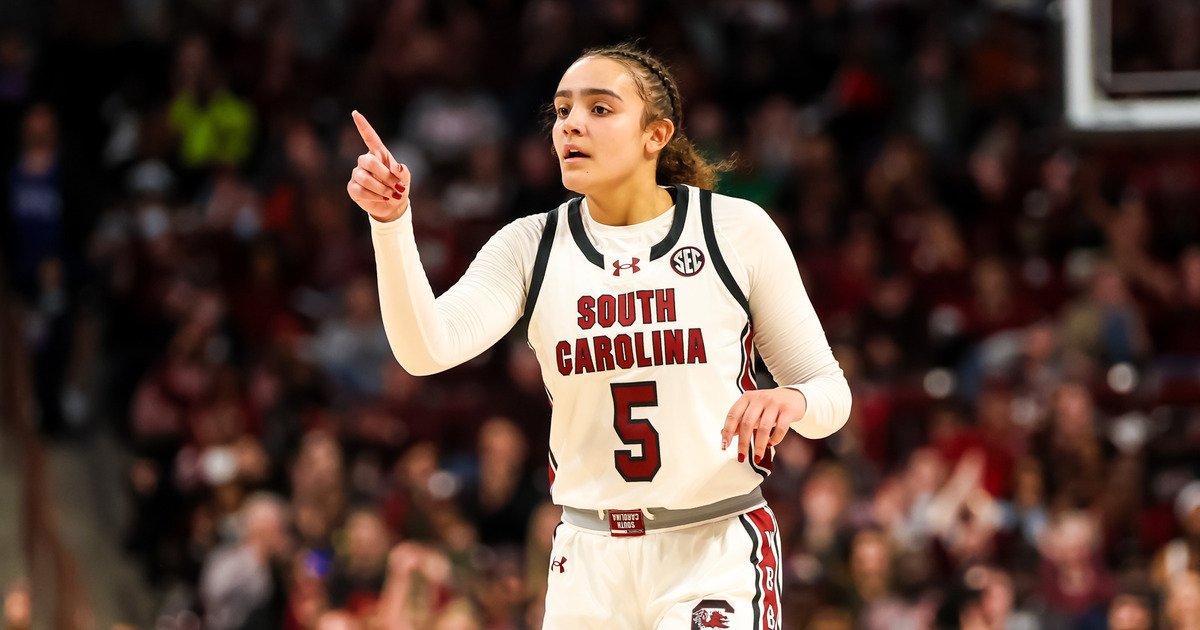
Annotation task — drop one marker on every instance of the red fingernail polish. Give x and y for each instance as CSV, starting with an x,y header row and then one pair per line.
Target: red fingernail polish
x,y
724,444
399,188
741,457
757,459
397,196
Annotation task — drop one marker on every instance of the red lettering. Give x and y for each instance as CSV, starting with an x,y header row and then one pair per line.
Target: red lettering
x,y
604,357
696,346
665,301
583,357
644,297
562,352
606,307
587,312
623,348
673,347
639,346
656,341
626,311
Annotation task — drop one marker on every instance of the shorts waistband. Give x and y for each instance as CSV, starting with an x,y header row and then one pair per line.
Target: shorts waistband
x,y
663,518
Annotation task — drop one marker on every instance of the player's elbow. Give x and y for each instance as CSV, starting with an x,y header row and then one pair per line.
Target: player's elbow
x,y
818,430
418,370
417,365
828,411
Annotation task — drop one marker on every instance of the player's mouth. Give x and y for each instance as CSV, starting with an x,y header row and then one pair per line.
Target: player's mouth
x,y
571,153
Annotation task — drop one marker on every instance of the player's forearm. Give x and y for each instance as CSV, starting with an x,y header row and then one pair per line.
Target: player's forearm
x,y
828,397
429,335
410,314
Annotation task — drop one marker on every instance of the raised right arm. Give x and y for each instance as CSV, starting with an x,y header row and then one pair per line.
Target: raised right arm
x,y
429,334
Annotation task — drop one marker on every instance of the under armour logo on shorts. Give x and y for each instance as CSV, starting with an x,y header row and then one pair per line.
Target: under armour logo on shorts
x,y
618,266
560,564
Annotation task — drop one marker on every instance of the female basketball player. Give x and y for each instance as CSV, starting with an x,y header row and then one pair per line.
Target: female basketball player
x,y
647,297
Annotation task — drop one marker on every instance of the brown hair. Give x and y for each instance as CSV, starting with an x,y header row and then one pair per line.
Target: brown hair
x,y
679,162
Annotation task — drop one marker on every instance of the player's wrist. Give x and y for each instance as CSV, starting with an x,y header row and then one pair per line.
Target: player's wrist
x,y
393,215
802,402
390,222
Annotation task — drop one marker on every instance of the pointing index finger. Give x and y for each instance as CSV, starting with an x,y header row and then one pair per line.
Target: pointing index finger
x,y
732,419
374,144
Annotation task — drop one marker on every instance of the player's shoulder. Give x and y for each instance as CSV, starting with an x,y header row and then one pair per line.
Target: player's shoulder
x,y
738,216
529,227
728,203
524,235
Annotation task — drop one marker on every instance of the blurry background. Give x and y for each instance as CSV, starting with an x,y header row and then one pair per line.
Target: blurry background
x,y
202,419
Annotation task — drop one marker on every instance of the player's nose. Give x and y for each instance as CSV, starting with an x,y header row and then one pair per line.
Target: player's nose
x,y
571,125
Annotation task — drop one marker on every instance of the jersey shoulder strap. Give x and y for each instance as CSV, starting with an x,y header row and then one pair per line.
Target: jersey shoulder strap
x,y
710,240
540,262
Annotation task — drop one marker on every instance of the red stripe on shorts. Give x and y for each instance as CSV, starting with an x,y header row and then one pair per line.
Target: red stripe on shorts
x,y
768,567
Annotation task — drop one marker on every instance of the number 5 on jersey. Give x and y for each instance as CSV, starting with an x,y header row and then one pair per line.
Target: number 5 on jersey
x,y
636,431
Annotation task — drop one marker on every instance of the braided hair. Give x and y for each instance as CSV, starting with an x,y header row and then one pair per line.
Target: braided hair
x,y
679,162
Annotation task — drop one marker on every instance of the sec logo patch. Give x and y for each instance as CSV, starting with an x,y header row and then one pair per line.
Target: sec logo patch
x,y
687,261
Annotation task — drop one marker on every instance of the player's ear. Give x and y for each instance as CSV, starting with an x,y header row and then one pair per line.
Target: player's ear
x,y
658,134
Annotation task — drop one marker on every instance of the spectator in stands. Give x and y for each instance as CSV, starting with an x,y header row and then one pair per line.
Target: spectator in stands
x,y
500,500
1181,554
1130,610
213,125
351,345
1074,581
239,583
417,590
1106,325
18,606
870,575
40,215
1181,607
358,573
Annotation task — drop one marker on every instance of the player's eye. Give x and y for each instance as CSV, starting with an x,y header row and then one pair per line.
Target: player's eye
x,y
600,110
563,111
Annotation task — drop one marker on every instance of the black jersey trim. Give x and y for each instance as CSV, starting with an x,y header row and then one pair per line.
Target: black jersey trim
x,y
682,195
762,472
710,239
542,260
660,249
575,221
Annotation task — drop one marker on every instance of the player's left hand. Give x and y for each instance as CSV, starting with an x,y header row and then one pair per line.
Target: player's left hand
x,y
764,415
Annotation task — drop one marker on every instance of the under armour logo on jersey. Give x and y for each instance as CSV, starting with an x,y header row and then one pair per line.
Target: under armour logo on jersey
x,y
560,564
711,613
618,266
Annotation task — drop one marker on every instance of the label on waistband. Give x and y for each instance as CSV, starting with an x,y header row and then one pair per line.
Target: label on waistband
x,y
626,523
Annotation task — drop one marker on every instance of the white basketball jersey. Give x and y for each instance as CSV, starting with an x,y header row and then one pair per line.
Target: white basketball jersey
x,y
643,353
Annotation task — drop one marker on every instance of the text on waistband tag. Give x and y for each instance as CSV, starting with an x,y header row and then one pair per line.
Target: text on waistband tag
x,y
626,523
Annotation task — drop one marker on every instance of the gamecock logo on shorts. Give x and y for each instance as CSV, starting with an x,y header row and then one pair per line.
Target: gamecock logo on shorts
x,y
711,613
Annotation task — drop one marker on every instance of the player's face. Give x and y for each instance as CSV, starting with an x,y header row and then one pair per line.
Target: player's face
x,y
598,132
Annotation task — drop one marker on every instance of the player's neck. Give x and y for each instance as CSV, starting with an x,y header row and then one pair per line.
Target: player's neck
x,y
629,204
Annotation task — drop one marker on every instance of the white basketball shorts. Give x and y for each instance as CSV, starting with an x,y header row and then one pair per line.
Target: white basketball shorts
x,y
721,574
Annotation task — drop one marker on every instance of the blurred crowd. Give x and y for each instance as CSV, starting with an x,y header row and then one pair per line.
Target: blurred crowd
x,y
1017,309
